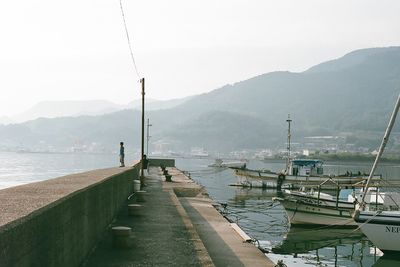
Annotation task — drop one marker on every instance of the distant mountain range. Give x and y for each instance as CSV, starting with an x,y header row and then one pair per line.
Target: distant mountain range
x,y
54,109
351,96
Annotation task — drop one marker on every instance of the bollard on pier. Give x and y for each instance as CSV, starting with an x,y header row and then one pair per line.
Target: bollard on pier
x,y
122,236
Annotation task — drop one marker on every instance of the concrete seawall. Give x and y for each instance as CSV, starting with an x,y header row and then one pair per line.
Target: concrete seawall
x,y
58,222
66,222
175,224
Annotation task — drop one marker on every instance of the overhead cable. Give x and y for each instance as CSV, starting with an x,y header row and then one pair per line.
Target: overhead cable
x,y
129,42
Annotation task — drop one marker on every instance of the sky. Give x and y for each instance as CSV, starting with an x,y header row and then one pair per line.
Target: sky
x,y
78,50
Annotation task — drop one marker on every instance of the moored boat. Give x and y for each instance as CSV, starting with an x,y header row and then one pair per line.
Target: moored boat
x,y
301,172
304,208
238,164
316,207
298,173
381,227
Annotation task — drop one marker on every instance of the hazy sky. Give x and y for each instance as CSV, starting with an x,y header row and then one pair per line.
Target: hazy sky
x,y
77,50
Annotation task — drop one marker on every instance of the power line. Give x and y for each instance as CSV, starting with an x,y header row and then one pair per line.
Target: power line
x,y
127,37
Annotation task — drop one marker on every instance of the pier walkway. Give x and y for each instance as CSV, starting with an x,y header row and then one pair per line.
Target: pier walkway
x,y
176,225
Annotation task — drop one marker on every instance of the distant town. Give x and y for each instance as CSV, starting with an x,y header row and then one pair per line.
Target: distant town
x,y
321,147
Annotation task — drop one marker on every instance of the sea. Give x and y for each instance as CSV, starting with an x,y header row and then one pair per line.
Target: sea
x,y
253,209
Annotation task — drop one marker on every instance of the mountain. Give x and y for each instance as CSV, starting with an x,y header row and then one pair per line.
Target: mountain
x,y
152,104
54,109
5,120
104,132
351,59
351,96
348,97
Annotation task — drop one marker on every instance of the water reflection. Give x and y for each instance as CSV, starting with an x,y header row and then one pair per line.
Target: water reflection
x,y
303,240
244,194
266,221
388,261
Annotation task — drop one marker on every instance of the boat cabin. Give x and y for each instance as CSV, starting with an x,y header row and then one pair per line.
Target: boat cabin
x,y
306,167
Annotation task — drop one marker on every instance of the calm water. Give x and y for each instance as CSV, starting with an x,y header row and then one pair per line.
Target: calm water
x,y
22,168
252,209
266,221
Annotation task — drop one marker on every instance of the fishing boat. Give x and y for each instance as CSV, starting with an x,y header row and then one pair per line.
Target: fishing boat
x,y
316,207
298,173
219,163
382,227
301,213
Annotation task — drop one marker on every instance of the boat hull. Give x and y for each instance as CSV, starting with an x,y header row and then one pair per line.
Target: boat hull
x,y
383,229
306,214
219,163
256,178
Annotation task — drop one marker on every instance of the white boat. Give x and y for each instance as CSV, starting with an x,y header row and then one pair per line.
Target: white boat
x,y
316,207
301,213
300,173
381,227
198,152
219,163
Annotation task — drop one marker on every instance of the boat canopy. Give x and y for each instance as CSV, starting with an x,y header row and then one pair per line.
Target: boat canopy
x,y
306,162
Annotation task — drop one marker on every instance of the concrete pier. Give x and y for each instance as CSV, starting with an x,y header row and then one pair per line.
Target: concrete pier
x,y
177,226
58,222
76,221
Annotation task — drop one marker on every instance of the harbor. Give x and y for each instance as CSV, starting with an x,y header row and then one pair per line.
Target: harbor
x,y
265,220
252,209
200,133
170,224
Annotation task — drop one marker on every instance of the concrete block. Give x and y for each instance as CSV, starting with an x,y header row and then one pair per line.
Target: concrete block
x,y
122,236
136,185
141,196
133,209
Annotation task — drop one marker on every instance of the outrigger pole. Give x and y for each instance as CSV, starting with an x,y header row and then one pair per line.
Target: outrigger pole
x,y
288,144
381,149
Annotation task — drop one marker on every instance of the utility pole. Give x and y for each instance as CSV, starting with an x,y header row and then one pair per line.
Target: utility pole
x,y
288,144
148,137
142,157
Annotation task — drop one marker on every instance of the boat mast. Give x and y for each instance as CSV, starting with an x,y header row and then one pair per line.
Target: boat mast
x,y
288,144
381,148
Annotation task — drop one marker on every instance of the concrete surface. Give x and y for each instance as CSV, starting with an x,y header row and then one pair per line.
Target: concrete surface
x,y
177,226
58,222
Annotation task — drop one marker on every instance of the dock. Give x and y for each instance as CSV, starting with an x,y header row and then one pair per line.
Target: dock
x,y
99,218
176,225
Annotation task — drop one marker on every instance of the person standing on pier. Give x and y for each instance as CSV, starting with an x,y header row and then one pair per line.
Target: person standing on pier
x,y
121,154
145,163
